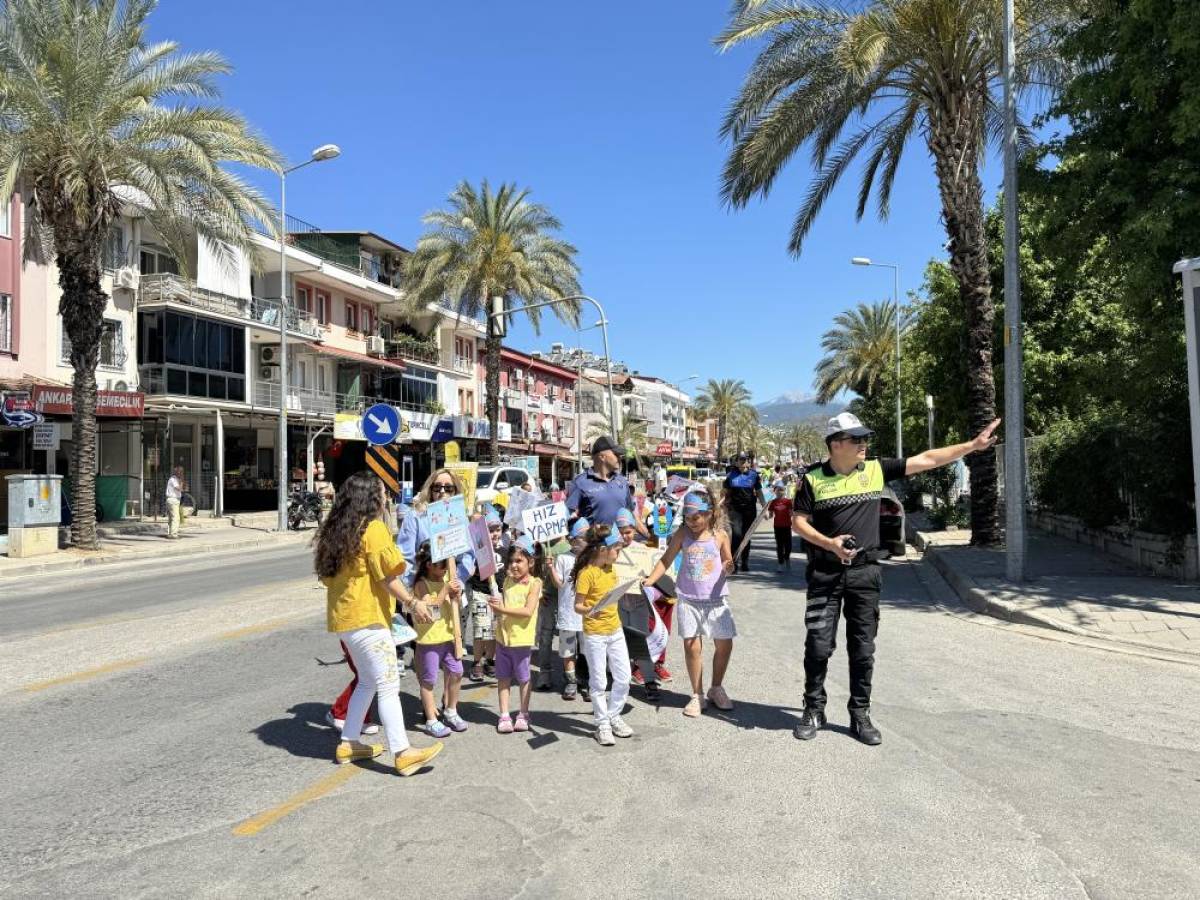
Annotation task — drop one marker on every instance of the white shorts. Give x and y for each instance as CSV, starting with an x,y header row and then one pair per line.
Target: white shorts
x,y
707,618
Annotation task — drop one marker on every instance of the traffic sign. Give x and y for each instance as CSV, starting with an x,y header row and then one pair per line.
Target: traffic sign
x,y
384,461
381,424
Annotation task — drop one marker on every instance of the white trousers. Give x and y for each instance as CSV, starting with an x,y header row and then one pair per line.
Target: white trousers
x,y
174,517
607,652
374,655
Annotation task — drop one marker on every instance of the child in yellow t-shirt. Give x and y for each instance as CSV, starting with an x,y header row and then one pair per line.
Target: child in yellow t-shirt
x,y
516,626
435,642
603,643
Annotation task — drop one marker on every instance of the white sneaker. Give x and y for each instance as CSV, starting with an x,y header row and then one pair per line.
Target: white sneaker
x,y
604,736
619,728
339,724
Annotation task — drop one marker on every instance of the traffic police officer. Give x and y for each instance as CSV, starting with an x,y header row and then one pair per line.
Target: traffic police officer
x,y
836,511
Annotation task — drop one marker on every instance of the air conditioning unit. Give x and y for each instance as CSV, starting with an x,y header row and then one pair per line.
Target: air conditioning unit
x,y
127,278
120,386
268,373
375,346
268,355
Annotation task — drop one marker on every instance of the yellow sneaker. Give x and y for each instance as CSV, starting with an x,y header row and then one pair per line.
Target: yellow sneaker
x,y
413,760
348,751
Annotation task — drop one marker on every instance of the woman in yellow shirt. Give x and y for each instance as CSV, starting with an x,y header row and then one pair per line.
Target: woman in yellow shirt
x,y
516,618
603,642
357,561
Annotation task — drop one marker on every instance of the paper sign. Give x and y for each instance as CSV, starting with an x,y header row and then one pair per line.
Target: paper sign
x,y
519,500
481,546
545,523
663,518
656,640
45,436
448,534
613,596
637,561
677,486
467,474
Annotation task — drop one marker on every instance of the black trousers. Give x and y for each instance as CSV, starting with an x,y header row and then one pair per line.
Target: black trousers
x,y
740,522
853,590
783,544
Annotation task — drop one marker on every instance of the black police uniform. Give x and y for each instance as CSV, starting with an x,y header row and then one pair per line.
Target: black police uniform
x,y
843,504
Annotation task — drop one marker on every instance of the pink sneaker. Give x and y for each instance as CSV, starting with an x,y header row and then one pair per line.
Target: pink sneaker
x,y
522,723
505,725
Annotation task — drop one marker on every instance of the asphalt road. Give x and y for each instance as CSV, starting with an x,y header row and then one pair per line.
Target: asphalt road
x,y
1014,765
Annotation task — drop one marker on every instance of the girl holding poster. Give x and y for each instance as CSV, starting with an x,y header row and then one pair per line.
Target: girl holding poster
x,y
435,643
604,645
703,591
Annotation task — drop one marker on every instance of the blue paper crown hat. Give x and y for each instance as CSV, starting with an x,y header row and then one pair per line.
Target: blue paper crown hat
x,y
580,528
525,543
624,518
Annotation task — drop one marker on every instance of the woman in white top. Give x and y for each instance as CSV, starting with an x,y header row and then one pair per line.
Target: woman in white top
x,y
175,487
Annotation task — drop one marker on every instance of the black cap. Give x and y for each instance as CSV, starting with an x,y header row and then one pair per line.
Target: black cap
x,y
607,443
741,456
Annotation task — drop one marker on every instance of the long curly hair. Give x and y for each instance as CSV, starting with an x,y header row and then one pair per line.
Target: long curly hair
x,y
357,504
587,556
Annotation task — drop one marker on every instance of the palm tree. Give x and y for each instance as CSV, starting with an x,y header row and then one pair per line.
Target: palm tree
x,y
805,439
859,350
848,81
743,427
485,245
631,434
719,400
92,114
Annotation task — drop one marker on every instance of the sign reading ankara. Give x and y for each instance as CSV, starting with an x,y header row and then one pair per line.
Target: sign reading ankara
x,y
381,424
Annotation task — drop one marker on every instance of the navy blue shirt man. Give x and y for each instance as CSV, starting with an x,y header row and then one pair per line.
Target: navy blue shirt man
x,y
599,493
743,495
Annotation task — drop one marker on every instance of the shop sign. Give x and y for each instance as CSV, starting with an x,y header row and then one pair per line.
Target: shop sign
x,y
45,436
17,410
471,427
347,426
443,431
663,449
60,402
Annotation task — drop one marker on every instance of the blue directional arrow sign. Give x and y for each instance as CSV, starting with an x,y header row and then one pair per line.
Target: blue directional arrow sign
x,y
381,424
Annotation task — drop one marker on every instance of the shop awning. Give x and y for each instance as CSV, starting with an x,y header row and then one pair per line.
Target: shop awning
x,y
351,355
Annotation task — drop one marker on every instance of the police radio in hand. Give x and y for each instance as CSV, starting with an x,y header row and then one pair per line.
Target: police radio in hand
x,y
850,545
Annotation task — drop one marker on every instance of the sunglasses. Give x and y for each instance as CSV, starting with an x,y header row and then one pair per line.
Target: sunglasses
x,y
442,489
855,440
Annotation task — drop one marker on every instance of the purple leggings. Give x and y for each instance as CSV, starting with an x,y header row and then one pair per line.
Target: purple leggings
x,y
431,657
512,663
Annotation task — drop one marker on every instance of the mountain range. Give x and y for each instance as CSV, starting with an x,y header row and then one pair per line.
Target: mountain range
x,y
796,406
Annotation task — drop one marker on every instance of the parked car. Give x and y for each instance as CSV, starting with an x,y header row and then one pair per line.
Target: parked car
x,y
492,481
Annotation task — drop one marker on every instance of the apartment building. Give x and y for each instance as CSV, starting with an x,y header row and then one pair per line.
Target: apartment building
x,y
537,402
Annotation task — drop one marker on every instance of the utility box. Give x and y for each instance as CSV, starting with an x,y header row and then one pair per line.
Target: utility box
x,y
34,513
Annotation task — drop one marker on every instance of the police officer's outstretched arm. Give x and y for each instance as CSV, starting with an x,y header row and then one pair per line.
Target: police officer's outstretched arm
x,y
942,456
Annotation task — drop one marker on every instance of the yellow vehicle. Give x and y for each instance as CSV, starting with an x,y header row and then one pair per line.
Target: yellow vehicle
x,y
688,472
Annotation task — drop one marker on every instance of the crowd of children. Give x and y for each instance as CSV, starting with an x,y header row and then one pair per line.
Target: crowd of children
x,y
514,617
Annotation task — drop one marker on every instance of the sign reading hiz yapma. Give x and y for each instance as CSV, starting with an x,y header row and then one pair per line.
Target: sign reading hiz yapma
x,y
545,523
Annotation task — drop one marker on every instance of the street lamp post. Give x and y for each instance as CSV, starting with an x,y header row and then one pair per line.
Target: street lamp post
x,y
929,418
322,153
865,261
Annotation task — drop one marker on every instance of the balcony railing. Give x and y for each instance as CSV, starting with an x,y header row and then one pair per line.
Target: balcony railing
x,y
321,403
411,348
176,289
308,237
464,364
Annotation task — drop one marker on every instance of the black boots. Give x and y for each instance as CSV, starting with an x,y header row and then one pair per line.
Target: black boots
x,y
863,729
812,721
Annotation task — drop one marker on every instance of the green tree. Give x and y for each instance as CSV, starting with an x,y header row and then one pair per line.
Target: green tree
x,y
487,244
859,350
847,82
720,400
805,440
92,114
630,434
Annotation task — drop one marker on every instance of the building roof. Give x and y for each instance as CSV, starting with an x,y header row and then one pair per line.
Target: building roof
x,y
530,362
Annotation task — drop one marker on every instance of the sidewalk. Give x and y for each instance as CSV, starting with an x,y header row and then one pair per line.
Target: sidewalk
x,y
1072,588
149,542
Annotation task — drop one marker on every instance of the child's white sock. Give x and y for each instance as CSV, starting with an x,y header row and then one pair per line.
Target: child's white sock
x,y
451,710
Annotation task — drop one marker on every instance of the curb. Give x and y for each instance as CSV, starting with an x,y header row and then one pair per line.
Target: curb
x,y
981,601
88,562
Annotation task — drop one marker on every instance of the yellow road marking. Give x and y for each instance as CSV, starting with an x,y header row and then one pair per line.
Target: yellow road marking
x,y
474,694
87,674
269,625
327,784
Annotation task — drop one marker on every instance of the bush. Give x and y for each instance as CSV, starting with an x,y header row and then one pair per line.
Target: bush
x,y
945,512
1113,467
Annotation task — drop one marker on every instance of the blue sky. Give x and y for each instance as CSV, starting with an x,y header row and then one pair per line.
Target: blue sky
x,y
609,113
